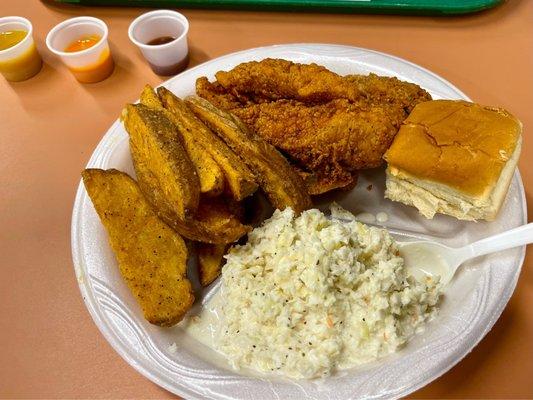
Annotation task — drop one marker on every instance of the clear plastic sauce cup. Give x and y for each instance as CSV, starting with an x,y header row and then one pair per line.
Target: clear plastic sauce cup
x,y
88,65
19,59
170,28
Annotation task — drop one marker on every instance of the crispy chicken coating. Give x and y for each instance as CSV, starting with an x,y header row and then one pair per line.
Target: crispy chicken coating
x,y
329,126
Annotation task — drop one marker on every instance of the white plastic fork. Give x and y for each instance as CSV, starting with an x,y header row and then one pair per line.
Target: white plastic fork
x,y
432,258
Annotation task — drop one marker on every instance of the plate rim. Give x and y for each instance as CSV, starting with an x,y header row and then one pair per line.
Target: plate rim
x,y
186,391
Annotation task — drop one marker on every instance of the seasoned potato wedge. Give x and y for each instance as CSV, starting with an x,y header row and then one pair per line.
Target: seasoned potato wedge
x,y
210,261
209,173
240,181
152,257
283,186
164,171
214,222
149,98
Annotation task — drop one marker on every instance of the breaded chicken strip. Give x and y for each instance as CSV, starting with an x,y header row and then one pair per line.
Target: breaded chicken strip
x,y
274,79
329,126
385,90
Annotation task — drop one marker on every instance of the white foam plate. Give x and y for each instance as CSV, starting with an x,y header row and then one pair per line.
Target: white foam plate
x,y
471,306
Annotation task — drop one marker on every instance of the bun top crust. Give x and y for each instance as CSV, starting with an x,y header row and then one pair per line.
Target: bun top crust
x,y
460,144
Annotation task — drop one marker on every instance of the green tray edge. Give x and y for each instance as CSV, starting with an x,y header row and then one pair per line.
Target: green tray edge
x,y
416,7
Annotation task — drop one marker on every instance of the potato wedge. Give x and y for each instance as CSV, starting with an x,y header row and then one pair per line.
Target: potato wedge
x,y
210,261
240,181
149,98
152,257
209,173
282,185
214,223
161,163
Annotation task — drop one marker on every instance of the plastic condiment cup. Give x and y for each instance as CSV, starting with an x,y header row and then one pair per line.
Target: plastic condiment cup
x,y
21,61
90,65
168,58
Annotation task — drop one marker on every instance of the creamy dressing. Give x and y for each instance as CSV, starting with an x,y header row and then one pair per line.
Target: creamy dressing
x,y
205,326
382,217
365,217
422,262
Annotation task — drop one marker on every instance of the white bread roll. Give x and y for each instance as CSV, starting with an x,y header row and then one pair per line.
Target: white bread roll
x,y
455,158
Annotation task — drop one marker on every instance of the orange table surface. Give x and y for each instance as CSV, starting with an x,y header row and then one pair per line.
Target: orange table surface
x,y
50,124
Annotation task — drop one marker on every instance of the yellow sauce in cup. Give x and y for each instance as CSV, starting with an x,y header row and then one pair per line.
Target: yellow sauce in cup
x,y
24,65
10,38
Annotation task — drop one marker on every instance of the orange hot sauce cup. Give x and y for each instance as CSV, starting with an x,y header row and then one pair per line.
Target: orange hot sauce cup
x,y
89,63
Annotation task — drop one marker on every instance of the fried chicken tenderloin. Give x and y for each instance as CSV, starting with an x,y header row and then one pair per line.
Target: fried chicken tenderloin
x,y
329,126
